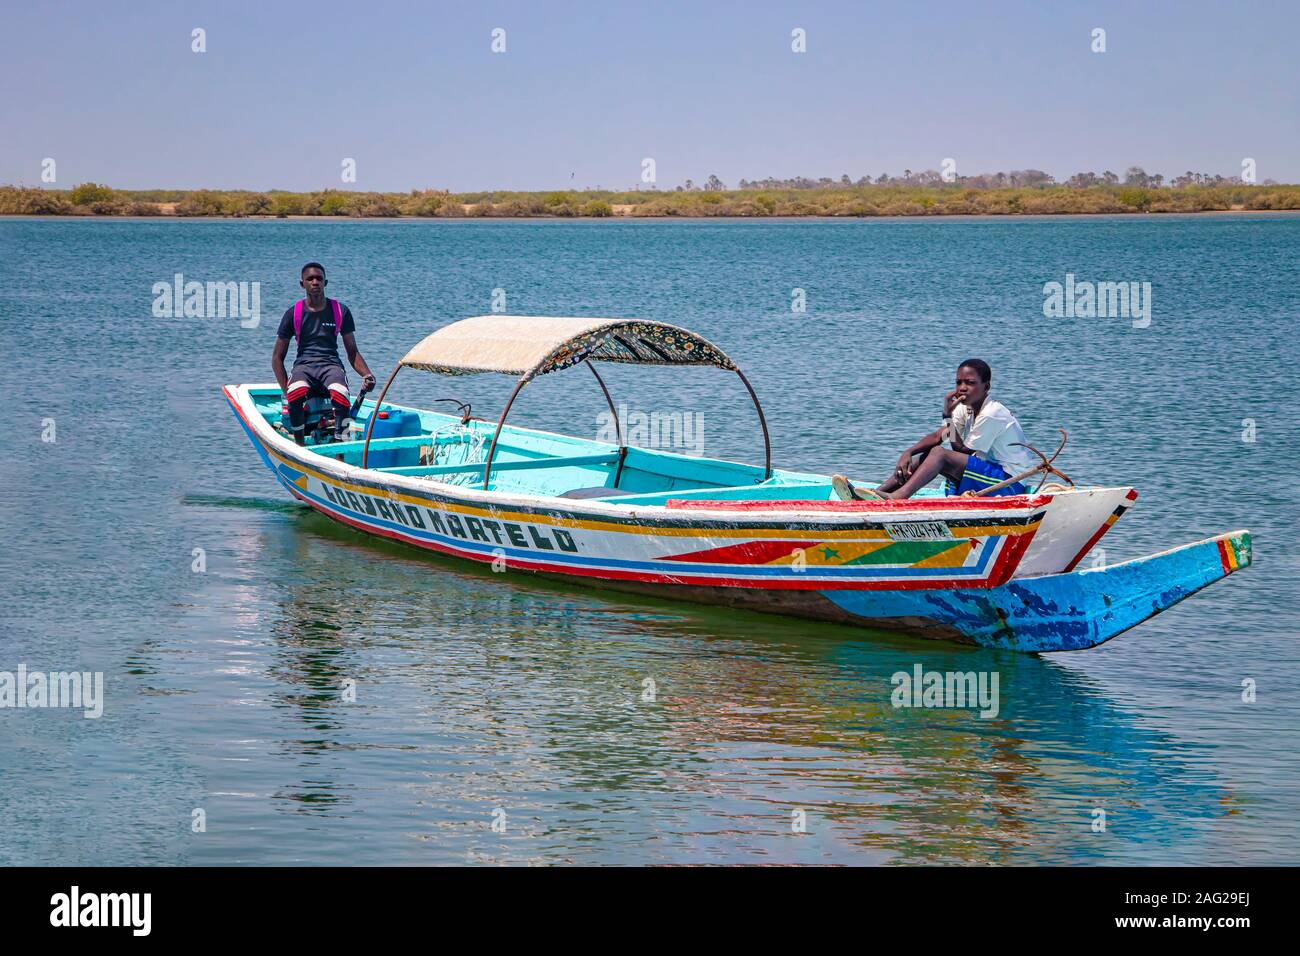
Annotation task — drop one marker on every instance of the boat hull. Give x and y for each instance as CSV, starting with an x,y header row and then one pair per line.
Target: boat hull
x,y
975,543
945,568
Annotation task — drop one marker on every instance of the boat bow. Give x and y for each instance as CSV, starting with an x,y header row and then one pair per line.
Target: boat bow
x,y
1071,611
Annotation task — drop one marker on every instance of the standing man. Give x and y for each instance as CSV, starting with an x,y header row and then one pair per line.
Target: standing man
x,y
317,323
988,446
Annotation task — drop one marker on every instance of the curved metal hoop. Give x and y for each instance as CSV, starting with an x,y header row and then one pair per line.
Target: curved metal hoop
x,y
379,403
762,421
618,425
622,447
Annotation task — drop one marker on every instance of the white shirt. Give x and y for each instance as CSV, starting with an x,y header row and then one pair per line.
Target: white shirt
x,y
993,436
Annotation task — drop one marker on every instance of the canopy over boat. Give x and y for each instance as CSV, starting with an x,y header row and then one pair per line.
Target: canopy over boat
x,y
529,346
534,345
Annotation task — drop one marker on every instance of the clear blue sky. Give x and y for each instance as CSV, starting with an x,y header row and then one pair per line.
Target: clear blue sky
x,y
414,94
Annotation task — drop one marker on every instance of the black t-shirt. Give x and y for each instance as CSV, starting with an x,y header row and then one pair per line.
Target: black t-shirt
x,y
319,341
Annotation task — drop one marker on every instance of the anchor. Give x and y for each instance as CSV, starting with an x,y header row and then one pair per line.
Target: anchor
x,y
1045,467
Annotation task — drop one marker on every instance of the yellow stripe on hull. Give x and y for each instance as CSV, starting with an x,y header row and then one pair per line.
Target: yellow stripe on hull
x,y
875,534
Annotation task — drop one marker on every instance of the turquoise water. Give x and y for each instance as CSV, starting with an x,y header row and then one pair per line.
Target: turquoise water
x,y
477,693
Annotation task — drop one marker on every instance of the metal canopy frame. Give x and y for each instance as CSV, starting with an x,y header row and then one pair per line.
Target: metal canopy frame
x,y
622,446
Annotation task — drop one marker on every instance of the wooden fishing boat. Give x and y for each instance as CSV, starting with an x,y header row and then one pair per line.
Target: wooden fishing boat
x,y
1001,572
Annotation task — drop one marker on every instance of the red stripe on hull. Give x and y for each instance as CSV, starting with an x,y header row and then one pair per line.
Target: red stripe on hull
x,y
1004,503
1013,549
751,552
1223,557
1002,567
1105,526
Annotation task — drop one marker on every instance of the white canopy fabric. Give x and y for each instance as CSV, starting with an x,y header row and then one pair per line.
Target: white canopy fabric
x,y
534,345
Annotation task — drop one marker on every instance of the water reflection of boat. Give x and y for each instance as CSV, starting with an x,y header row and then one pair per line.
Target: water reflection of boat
x,y
999,572
787,715
754,715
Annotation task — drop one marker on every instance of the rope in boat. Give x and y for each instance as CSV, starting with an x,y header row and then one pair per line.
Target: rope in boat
x,y
459,445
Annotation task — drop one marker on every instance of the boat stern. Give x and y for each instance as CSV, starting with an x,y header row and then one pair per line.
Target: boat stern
x,y
244,400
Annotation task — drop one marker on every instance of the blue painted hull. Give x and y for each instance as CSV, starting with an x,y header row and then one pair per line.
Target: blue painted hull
x,y
1058,612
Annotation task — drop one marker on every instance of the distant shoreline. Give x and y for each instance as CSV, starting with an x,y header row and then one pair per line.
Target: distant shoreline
x,y
650,220
945,200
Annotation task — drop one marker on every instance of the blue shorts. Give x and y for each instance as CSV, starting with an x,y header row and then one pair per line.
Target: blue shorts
x,y
980,474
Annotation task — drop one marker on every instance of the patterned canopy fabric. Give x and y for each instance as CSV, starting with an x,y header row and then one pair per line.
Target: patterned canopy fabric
x,y
534,345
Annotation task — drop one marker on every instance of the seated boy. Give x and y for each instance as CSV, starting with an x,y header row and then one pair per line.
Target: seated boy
x,y
986,442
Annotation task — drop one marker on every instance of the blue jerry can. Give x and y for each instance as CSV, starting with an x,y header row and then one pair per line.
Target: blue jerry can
x,y
394,423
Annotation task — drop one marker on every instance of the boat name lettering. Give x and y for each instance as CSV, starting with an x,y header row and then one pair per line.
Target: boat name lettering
x,y
919,531
466,527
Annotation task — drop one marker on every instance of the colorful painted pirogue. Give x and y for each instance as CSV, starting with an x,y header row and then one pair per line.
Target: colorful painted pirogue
x,y
1000,572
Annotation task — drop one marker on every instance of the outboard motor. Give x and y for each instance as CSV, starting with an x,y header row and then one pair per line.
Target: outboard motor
x,y
320,424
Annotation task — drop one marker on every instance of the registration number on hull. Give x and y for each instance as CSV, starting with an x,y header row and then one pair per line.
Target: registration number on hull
x,y
919,531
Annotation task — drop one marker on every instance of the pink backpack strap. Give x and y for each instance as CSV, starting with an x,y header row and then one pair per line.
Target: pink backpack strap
x,y
297,317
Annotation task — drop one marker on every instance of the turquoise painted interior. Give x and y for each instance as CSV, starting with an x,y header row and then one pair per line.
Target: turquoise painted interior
x,y
544,463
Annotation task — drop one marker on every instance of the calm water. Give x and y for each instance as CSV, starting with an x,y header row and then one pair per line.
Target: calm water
x,y
478,693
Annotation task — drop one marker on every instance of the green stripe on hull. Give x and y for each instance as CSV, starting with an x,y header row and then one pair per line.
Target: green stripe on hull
x,y
904,553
